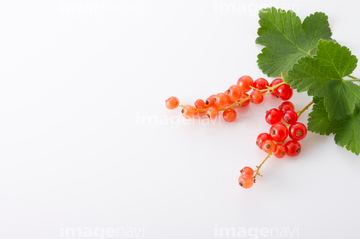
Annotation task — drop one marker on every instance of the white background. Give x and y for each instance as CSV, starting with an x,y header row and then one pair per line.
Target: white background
x,y
80,81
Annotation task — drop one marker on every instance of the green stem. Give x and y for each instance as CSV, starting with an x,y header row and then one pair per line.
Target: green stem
x,y
353,77
258,167
305,108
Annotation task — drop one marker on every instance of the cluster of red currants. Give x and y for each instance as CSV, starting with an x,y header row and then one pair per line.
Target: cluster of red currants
x,y
236,96
284,123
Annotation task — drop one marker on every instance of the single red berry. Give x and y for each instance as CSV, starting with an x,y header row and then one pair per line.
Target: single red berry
x,y
274,83
210,101
221,101
293,148
273,116
297,131
286,105
279,132
268,146
229,115
245,83
247,171
188,111
234,92
256,97
212,112
246,181
284,92
246,102
200,105
261,138
280,151
261,84
172,102
290,117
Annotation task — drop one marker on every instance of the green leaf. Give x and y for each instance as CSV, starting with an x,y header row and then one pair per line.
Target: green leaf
x,y
318,121
348,133
322,76
286,40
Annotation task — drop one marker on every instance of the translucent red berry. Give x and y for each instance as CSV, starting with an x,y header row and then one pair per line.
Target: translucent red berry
x,y
229,115
274,83
261,138
284,92
212,112
297,131
268,146
234,92
279,132
273,116
188,111
172,102
245,102
245,83
290,117
256,97
293,148
210,101
221,101
247,171
286,105
261,84
246,181
280,151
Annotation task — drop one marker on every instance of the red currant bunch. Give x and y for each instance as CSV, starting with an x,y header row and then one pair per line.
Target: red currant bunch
x,y
245,91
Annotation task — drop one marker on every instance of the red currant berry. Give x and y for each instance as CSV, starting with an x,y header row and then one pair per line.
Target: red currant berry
x,y
268,146
290,117
200,105
274,83
188,111
293,148
297,131
229,115
245,83
210,101
286,105
234,92
273,116
280,151
279,132
247,171
261,138
221,101
246,181
212,112
246,102
284,92
261,84
256,97
172,103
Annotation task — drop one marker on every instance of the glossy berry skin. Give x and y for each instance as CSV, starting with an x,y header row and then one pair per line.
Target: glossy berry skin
x,y
286,105
188,111
261,84
210,101
221,101
256,97
275,82
284,92
245,83
229,115
261,138
290,117
246,181
200,104
212,112
273,116
280,151
172,102
297,131
234,92
246,102
268,146
247,171
293,148
279,132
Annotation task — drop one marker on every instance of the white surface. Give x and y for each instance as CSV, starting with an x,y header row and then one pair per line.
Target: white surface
x,y
77,160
